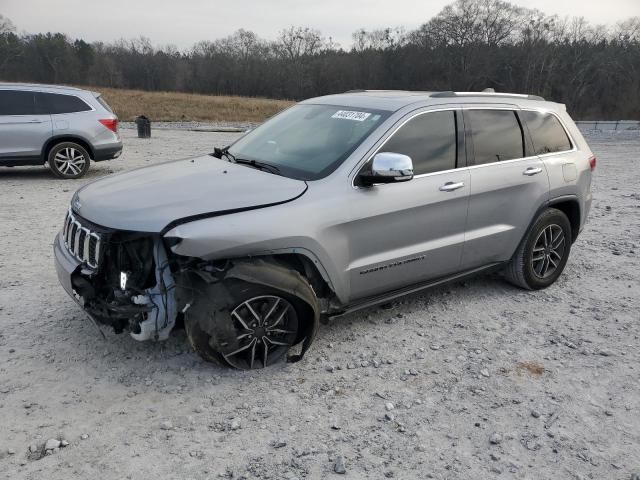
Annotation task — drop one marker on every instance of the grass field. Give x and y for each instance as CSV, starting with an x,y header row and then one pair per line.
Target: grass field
x,y
174,106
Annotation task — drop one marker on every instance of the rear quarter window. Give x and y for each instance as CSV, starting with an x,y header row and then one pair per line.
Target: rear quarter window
x,y
547,133
55,103
104,103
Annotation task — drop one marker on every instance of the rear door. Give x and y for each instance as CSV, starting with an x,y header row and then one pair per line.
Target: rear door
x,y
24,128
508,184
405,233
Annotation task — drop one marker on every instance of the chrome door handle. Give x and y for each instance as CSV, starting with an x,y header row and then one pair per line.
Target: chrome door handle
x,y
532,171
451,186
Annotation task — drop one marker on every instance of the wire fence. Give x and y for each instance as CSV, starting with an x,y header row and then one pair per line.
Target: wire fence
x,y
608,125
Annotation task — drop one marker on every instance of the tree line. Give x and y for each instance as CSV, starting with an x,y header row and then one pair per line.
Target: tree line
x,y
470,45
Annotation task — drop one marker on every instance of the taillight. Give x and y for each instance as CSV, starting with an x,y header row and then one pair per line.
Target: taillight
x,y
592,162
110,123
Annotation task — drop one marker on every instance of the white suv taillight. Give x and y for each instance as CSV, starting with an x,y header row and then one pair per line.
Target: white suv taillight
x,y
110,123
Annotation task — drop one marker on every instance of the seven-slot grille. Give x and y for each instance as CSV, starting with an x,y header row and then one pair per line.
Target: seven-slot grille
x,y
81,242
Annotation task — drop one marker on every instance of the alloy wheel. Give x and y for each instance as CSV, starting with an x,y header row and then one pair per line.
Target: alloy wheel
x,y
548,251
266,326
69,161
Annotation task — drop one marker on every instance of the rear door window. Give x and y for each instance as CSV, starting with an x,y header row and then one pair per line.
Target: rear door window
x,y
54,103
496,134
16,102
547,134
429,139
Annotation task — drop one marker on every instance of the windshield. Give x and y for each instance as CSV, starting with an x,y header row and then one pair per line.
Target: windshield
x,y
308,142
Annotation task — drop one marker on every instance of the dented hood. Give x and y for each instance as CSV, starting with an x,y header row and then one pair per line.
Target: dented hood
x,y
149,199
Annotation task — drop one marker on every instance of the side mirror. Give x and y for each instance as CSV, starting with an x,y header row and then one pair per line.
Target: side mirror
x,y
388,167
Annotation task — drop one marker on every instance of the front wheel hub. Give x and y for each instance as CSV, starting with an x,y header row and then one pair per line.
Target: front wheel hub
x,y
266,327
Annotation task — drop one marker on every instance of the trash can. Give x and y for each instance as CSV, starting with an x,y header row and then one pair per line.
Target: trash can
x,y
144,126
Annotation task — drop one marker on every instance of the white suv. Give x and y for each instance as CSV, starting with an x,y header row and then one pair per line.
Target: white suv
x,y
63,126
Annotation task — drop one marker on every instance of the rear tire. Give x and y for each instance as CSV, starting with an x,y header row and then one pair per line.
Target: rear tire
x,y
68,160
543,253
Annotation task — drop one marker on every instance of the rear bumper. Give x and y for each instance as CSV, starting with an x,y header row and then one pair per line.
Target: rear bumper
x,y
107,153
66,266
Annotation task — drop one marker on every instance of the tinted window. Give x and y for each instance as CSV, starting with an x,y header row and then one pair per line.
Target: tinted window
x,y
547,133
497,135
56,103
14,102
430,141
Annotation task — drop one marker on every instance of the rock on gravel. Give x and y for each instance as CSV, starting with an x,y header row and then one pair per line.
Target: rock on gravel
x,y
339,466
166,425
51,444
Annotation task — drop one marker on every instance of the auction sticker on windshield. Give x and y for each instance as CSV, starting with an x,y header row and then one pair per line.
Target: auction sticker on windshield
x,y
351,115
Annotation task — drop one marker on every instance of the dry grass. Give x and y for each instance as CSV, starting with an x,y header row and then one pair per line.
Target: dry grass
x,y
174,106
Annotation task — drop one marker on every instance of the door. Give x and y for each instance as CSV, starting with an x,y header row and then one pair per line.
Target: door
x,y
23,128
405,233
508,185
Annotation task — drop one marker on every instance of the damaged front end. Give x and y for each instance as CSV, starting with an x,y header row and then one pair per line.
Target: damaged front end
x,y
244,313
121,279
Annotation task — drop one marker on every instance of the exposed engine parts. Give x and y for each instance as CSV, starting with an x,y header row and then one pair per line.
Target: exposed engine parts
x,y
132,287
243,313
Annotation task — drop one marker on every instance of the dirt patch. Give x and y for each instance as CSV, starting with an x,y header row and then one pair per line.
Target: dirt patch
x,y
530,368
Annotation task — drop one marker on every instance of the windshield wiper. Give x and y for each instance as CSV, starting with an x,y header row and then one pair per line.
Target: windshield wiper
x,y
220,152
259,165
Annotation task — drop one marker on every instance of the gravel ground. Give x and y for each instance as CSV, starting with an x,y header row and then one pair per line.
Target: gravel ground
x,y
474,380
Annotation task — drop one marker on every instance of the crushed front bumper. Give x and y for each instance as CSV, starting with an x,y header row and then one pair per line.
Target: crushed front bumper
x,y
66,266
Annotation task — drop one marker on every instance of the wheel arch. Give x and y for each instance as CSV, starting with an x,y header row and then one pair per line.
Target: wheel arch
x,y
570,206
55,140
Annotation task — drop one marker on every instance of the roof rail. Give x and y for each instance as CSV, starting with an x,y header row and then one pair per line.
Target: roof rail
x,y
485,94
362,90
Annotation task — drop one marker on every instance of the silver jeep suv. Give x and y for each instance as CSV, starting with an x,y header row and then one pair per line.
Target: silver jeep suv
x,y
63,126
336,204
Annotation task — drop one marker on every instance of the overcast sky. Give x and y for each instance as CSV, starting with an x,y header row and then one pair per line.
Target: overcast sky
x,y
184,22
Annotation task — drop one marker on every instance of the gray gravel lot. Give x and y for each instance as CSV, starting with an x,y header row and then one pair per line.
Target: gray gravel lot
x,y
476,380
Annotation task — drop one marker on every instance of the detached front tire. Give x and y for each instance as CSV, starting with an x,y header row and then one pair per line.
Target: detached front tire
x,y
68,160
543,253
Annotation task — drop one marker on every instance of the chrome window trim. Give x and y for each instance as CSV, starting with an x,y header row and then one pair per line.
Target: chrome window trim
x,y
394,130
462,107
530,109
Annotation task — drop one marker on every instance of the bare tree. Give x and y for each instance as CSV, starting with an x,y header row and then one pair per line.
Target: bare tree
x,y
295,43
381,39
468,45
6,25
